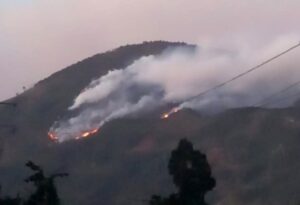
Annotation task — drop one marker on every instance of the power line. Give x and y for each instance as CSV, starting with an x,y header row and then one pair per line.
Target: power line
x,y
283,99
244,73
266,100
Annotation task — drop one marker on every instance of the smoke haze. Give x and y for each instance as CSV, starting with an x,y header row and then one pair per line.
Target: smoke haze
x,y
178,75
38,38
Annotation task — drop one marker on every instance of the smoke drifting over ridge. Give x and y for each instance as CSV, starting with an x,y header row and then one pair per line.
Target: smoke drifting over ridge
x,y
178,75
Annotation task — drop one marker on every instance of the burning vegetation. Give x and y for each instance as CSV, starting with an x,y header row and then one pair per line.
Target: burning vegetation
x,y
168,114
53,136
87,133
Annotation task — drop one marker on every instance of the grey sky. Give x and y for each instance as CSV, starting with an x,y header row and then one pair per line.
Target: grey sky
x,y
39,37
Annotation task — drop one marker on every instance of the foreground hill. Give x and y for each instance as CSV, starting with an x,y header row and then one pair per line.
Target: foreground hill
x,y
253,152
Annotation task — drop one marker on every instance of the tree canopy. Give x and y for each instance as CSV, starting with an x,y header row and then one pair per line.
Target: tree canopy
x,y
191,175
45,190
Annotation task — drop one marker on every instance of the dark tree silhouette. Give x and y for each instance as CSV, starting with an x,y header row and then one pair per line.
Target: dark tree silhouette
x,y
46,193
9,200
191,174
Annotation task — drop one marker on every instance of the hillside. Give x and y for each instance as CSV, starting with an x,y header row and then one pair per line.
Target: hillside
x,y
253,152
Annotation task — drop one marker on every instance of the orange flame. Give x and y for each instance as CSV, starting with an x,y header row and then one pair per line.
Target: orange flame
x,y
167,114
87,133
52,136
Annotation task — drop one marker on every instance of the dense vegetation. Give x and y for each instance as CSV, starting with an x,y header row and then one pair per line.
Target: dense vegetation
x,y
45,192
189,168
191,174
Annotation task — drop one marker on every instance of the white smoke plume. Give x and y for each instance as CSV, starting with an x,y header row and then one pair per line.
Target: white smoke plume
x,y
178,75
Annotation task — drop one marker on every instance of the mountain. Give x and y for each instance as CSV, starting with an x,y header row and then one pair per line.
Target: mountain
x,y
253,152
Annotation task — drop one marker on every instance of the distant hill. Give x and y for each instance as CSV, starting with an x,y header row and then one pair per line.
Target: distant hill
x,y
254,153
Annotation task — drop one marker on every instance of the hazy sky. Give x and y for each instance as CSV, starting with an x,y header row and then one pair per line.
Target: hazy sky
x,y
39,37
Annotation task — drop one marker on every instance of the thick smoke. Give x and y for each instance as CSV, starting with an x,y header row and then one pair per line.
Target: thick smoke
x,y
176,76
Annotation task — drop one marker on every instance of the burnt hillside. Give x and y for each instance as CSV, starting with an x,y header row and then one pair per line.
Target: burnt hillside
x,y
253,152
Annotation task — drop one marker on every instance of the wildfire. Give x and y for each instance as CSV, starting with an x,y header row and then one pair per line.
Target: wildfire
x,y
167,114
52,136
87,133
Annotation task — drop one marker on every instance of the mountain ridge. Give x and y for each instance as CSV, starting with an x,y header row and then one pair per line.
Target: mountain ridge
x,y
253,151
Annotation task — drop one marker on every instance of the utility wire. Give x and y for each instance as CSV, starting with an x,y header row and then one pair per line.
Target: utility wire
x,y
244,73
283,99
266,100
